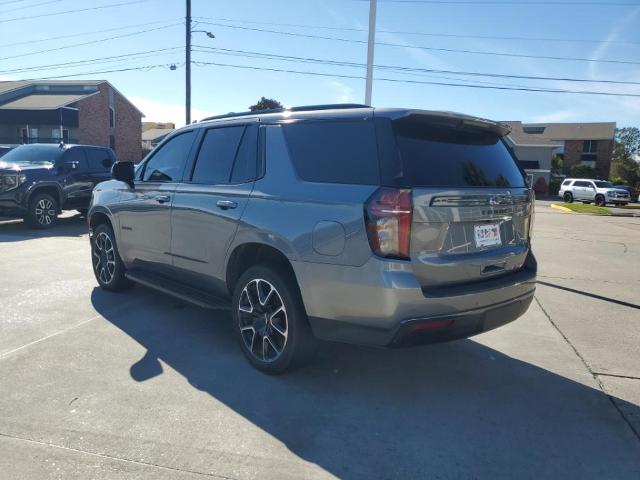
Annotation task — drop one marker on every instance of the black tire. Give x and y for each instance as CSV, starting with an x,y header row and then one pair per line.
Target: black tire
x,y
623,204
268,320
43,211
568,197
600,201
108,267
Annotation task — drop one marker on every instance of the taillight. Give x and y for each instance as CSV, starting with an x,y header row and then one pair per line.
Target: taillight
x,y
388,220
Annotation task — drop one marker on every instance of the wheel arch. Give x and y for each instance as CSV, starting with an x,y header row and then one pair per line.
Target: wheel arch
x,y
254,253
50,188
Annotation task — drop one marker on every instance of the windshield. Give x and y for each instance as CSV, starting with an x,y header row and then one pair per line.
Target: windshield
x,y
603,184
33,154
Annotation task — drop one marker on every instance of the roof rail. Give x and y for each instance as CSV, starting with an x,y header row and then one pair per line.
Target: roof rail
x,y
307,108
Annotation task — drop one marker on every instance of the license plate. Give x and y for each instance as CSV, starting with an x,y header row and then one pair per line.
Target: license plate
x,y
487,235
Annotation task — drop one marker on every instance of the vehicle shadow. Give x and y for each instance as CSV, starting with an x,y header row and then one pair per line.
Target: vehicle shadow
x,y
455,410
15,230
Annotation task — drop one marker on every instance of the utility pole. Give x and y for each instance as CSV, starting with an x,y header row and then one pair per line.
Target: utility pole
x,y
370,47
188,65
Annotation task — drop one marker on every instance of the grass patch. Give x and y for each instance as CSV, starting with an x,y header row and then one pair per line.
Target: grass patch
x,y
586,208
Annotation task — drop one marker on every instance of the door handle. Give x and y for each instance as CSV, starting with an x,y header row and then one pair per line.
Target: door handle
x,y
162,198
226,204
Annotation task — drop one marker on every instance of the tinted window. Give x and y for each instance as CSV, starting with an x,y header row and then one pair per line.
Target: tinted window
x,y
443,156
76,155
334,152
566,183
167,164
246,163
582,184
98,159
216,156
604,184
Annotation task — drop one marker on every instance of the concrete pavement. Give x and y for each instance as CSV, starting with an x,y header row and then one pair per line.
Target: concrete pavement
x,y
137,385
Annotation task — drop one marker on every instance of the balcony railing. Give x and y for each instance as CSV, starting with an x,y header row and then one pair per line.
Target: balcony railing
x,y
20,141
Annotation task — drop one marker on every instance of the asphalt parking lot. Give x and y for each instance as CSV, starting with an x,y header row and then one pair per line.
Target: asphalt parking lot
x,y
138,385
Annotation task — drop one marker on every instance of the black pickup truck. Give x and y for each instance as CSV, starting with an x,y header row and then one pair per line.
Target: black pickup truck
x,y
38,181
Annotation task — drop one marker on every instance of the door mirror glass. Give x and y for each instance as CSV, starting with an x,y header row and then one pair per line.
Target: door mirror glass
x,y
123,171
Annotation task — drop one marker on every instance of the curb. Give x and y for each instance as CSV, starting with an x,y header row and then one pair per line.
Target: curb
x,y
561,208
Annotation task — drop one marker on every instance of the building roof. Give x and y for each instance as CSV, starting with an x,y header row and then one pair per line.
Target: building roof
x,y
554,134
49,94
42,102
155,133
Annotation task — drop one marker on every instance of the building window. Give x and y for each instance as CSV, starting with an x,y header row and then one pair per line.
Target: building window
x,y
588,163
25,135
65,135
55,135
533,130
112,117
590,146
33,135
112,142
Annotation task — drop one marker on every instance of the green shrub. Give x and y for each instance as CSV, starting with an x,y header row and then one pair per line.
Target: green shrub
x,y
554,186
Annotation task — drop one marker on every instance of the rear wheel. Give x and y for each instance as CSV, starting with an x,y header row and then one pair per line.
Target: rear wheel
x,y
270,321
600,201
43,211
568,198
107,264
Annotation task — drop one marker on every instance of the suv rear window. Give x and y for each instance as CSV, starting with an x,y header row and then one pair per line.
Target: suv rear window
x,y
434,155
334,151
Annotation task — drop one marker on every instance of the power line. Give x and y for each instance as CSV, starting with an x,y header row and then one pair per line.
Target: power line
x,y
99,7
80,34
83,74
29,6
403,68
396,80
418,47
91,42
126,56
425,34
11,1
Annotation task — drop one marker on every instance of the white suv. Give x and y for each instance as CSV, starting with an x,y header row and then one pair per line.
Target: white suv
x,y
599,192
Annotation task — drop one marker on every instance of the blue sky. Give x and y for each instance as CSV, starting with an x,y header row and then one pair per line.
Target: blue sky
x,y
159,91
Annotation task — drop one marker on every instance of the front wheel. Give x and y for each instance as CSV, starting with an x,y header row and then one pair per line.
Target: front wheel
x,y
270,321
107,264
568,198
43,211
600,201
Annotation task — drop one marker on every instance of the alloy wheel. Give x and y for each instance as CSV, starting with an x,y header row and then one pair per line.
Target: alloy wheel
x,y
262,320
104,258
45,212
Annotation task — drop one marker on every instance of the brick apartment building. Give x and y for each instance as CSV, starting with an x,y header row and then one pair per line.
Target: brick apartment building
x,y
90,112
589,144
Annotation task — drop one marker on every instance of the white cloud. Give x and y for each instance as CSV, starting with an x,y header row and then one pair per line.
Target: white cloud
x,y
343,91
166,112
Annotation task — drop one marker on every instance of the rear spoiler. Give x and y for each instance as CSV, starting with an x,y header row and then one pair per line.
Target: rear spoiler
x,y
454,119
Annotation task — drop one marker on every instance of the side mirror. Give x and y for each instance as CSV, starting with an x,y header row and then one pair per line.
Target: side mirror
x,y
68,166
123,171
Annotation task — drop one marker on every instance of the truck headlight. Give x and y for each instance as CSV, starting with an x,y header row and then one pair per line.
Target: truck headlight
x,y
8,182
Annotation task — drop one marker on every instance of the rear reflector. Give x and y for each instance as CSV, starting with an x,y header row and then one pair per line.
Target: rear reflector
x,y
388,220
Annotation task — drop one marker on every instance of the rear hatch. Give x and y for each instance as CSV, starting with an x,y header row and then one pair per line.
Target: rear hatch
x,y
471,207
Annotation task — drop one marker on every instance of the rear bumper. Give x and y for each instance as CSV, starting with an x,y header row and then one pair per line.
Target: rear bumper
x,y
382,304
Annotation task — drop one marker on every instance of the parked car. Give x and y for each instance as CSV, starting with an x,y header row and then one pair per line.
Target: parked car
x,y
38,181
383,227
599,192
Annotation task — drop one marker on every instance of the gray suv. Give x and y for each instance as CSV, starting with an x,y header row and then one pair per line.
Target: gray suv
x,y
384,227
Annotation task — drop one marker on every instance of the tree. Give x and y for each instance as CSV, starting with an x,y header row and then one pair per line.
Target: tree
x,y
626,156
265,104
583,171
556,165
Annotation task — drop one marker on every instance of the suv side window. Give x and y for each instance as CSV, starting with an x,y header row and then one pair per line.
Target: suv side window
x,y
167,164
217,154
566,183
99,159
76,155
334,151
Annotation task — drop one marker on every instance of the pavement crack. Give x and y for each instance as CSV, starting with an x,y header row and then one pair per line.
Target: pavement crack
x,y
593,374
113,457
602,374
